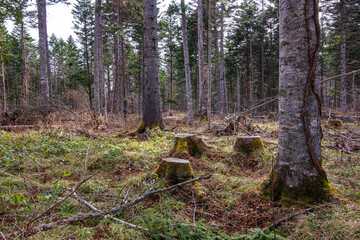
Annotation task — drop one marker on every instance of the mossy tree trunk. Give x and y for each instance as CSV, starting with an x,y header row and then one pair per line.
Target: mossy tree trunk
x,y
151,94
297,173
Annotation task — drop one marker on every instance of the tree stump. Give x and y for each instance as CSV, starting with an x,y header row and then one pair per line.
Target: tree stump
x,y
190,144
176,170
335,123
248,144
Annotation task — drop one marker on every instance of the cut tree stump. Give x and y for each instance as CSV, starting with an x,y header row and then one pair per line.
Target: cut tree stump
x,y
190,144
176,170
335,123
248,144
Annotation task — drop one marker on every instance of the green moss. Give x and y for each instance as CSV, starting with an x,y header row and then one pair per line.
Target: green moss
x,y
335,123
141,128
249,144
176,171
312,189
189,144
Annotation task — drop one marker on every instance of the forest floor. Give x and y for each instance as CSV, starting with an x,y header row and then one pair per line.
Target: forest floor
x,y
42,166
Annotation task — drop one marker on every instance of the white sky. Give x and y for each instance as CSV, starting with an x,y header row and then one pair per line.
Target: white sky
x,y
59,20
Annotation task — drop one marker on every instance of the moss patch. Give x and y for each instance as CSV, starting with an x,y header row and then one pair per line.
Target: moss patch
x,y
189,144
248,144
176,170
312,189
335,123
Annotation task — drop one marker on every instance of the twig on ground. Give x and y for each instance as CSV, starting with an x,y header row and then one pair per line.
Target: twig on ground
x,y
288,218
2,235
61,200
78,218
91,207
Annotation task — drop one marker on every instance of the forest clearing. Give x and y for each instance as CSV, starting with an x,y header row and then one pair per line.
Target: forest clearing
x,y
202,119
44,166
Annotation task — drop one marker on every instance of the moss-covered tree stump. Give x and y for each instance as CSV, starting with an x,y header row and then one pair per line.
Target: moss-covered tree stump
x,y
248,144
190,144
335,123
176,170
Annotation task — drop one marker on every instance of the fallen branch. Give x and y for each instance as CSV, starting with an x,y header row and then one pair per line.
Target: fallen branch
x,y
288,218
12,127
86,134
91,207
60,201
45,227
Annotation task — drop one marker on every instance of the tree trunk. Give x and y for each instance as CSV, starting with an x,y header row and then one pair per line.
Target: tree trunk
x,y
238,91
55,81
202,81
262,89
41,6
297,173
251,80
343,83
222,64
97,39
152,109
99,57
25,72
208,107
4,107
272,80
48,68
87,62
171,78
118,100
217,71
187,66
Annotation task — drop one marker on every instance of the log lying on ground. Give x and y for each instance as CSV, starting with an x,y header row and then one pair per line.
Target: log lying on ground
x,y
248,144
176,170
190,144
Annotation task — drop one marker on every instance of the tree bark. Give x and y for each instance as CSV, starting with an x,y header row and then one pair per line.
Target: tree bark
x,y
87,64
152,109
238,91
187,66
118,74
208,106
41,6
4,107
217,71
222,64
202,80
297,173
25,72
262,70
343,83
251,80
99,89
99,63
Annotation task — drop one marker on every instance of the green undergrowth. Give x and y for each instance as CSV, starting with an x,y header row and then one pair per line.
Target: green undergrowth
x,y
37,169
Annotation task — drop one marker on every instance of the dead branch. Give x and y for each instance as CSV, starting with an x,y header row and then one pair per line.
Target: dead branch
x,y
91,207
86,134
288,218
341,75
60,201
15,127
78,218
